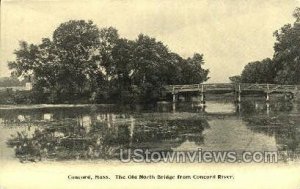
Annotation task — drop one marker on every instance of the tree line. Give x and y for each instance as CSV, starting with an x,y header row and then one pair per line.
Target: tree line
x,y
82,63
284,66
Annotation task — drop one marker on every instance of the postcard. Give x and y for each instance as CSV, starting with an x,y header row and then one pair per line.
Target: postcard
x,y
150,93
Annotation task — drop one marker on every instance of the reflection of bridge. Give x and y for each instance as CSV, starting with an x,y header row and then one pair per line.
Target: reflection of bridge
x,y
237,88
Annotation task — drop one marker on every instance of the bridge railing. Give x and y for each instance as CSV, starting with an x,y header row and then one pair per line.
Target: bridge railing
x,y
218,86
266,87
232,86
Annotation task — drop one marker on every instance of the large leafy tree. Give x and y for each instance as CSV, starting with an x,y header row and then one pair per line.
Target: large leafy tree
x,y
284,68
121,70
154,66
82,61
287,52
259,72
235,79
109,38
192,71
65,66
149,60
77,43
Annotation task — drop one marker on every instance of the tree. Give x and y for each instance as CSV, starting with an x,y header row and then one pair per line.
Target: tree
x,y
77,43
284,68
155,66
65,67
192,71
109,38
83,62
287,52
259,72
149,57
121,71
235,79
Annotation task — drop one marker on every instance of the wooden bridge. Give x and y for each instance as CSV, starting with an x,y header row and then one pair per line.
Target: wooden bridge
x,y
237,88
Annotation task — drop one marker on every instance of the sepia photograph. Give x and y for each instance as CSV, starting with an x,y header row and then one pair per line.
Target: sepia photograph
x,y
150,93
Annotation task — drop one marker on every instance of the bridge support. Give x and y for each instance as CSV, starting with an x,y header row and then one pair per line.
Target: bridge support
x,y
202,96
238,108
174,94
174,102
174,98
174,107
239,98
268,97
268,108
268,93
238,94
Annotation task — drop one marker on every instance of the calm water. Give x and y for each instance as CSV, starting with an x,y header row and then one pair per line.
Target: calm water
x,y
99,132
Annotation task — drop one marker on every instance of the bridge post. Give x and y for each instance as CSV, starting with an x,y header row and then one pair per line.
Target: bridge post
x,y
238,95
238,108
202,100
174,95
268,96
174,107
174,99
268,108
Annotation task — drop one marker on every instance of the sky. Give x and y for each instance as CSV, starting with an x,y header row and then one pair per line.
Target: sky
x,y
230,33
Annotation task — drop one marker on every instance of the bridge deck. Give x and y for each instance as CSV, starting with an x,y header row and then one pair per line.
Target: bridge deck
x,y
269,88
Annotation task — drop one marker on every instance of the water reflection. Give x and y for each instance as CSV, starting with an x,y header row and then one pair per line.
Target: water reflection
x,y
87,139
283,128
99,133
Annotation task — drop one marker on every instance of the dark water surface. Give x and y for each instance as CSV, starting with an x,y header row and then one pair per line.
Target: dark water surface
x,y
31,133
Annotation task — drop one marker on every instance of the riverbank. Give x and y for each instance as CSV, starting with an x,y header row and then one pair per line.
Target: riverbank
x,y
41,106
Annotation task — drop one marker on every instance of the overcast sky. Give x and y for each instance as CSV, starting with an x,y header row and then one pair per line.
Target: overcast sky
x,y
230,33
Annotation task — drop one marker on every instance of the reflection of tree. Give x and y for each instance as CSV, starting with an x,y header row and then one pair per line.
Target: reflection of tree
x,y
67,139
248,107
283,128
168,134
10,116
282,106
61,141
251,107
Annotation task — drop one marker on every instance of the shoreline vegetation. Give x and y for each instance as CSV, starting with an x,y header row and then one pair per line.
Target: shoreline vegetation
x,y
40,106
82,63
284,66
227,97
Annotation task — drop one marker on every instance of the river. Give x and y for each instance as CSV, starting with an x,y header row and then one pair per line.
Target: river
x,y
97,132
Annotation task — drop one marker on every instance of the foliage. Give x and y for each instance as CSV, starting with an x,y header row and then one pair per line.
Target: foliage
x,y
235,79
287,52
259,72
284,68
84,62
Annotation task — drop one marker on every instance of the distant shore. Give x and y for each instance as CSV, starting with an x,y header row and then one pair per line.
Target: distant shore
x,y
40,106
